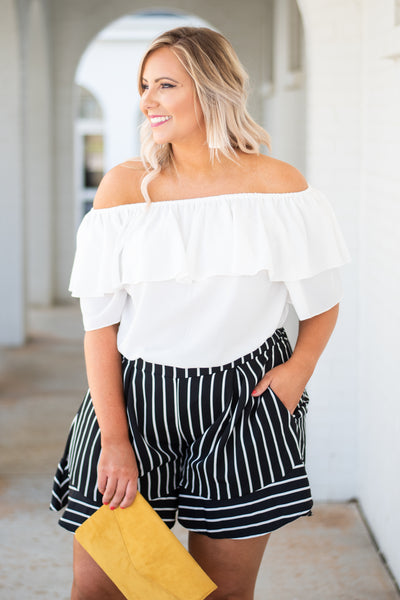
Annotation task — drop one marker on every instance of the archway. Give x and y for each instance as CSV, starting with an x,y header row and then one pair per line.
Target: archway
x,y
108,67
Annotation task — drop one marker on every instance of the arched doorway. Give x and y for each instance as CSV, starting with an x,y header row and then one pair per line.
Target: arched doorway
x,y
284,88
89,150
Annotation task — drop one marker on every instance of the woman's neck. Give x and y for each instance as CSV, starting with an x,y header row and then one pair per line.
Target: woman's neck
x,y
197,164
191,161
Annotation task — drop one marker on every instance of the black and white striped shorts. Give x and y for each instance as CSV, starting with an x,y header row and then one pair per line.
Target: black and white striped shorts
x,y
223,462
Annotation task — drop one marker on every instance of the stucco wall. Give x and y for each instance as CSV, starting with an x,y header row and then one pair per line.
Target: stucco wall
x,y
379,330
353,148
333,147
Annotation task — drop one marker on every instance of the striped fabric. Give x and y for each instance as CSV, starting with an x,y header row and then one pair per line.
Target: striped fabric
x,y
261,512
232,465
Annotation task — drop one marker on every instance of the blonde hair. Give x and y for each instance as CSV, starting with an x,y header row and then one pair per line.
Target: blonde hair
x,y
221,85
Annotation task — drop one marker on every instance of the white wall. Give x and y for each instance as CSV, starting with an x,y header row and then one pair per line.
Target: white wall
x,y
379,333
332,151
353,150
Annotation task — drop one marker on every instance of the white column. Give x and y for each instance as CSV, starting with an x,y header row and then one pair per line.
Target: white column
x,y
12,321
39,222
333,33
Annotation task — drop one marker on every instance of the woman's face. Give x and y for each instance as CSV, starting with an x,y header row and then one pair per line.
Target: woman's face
x,y
169,100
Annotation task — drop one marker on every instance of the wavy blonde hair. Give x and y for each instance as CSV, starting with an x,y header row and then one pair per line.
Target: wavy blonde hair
x,y
221,85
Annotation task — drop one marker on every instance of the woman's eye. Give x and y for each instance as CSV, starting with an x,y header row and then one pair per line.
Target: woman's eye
x,y
163,86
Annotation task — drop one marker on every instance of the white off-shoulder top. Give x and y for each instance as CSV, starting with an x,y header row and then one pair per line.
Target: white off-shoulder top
x,y
203,281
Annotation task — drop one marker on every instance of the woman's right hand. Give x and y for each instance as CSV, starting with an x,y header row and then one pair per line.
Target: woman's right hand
x,y
117,474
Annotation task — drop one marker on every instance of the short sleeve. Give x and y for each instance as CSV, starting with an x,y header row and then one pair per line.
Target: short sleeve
x,y
317,294
96,268
104,311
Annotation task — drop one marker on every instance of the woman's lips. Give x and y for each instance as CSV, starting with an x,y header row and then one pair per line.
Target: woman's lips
x,y
158,120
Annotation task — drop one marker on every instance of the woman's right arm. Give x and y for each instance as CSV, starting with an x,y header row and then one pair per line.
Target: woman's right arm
x,y
117,469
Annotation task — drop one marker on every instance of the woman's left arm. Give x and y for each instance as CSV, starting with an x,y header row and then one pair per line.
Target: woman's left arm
x,y
289,379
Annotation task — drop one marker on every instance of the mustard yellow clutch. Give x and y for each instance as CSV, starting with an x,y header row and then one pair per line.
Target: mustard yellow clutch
x,y
141,555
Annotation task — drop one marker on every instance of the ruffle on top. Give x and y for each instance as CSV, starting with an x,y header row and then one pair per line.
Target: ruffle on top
x,y
293,236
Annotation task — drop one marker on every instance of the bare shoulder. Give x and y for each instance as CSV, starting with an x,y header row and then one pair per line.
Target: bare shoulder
x,y
120,185
276,176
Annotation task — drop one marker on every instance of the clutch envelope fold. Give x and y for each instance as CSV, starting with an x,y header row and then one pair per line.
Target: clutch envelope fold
x,y
141,555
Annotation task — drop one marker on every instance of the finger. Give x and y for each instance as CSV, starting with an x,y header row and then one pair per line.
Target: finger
x,y
102,481
130,494
119,494
110,490
261,386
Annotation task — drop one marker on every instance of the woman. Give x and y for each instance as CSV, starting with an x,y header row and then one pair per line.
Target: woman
x,y
187,262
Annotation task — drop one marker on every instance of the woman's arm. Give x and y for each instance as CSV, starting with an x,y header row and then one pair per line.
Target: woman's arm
x,y
289,379
117,469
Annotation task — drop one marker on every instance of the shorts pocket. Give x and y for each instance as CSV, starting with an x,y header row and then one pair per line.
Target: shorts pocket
x,y
302,405
280,401
281,433
297,421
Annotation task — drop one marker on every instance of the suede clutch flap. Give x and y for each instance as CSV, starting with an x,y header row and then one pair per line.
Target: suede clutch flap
x,y
141,555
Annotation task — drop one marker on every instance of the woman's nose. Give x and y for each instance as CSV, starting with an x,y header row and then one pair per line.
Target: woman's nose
x,y
148,99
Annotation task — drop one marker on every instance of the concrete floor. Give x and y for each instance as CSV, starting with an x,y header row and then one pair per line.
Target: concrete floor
x,y
329,556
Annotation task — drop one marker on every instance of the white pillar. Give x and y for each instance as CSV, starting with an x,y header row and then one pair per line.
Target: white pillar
x,y
38,197
12,321
334,149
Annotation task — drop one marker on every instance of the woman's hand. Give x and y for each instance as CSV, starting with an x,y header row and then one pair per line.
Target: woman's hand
x,y
118,474
289,379
286,381
117,469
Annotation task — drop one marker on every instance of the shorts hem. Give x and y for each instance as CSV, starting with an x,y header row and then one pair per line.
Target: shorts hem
x,y
219,536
